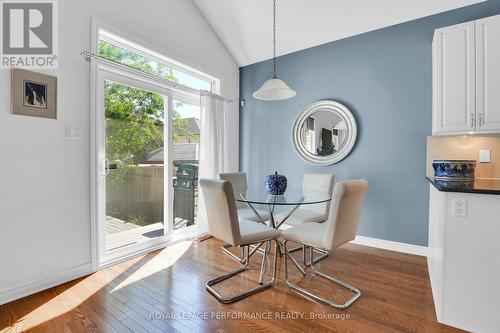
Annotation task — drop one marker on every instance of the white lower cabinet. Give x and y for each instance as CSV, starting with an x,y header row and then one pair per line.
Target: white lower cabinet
x,y
464,259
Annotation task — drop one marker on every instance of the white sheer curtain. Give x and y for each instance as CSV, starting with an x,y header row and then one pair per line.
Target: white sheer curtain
x,y
214,152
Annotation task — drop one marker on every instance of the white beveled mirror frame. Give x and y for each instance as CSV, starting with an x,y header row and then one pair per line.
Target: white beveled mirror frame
x,y
325,105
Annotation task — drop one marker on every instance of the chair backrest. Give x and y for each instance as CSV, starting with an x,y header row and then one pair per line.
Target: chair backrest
x,y
239,182
221,210
345,210
319,182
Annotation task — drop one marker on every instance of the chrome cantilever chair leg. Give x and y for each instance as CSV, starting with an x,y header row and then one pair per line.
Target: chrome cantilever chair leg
x,y
225,248
232,298
264,261
357,292
323,253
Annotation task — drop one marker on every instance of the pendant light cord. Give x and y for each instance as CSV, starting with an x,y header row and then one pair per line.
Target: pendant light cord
x,y
274,40
274,89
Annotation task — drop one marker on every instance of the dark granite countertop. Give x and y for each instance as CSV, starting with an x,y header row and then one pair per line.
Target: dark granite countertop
x,y
478,185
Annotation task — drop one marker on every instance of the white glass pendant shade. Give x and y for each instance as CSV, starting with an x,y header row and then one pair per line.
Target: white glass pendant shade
x,y
274,90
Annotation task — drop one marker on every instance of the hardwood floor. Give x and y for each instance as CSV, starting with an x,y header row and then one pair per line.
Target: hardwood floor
x,y
164,291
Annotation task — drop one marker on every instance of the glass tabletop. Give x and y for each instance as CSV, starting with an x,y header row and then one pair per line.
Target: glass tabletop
x,y
292,196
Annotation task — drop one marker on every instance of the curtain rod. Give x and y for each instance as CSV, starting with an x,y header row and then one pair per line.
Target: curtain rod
x,y
168,82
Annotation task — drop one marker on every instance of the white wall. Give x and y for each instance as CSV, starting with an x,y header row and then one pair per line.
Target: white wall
x,y
44,177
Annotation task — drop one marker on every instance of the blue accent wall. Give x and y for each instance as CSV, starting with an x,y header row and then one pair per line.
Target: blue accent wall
x,y
385,78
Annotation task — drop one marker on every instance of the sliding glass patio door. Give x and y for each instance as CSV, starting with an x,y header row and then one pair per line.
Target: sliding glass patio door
x,y
185,151
148,147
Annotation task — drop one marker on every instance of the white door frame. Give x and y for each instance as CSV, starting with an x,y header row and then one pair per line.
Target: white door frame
x,y
100,73
95,163
109,73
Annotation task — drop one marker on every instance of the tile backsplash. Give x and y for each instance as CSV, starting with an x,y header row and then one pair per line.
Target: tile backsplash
x,y
465,147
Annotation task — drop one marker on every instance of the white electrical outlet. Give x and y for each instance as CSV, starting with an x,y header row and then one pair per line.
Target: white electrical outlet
x,y
459,207
484,156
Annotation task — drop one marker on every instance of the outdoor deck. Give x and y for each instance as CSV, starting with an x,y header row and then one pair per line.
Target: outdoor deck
x,y
120,233
114,225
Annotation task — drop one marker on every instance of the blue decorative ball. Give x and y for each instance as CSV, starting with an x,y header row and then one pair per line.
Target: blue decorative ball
x,y
276,184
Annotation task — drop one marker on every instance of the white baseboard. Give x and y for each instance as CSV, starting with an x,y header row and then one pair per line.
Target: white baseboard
x,y
46,283
390,245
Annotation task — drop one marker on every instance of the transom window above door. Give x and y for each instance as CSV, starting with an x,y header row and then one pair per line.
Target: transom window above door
x,y
123,51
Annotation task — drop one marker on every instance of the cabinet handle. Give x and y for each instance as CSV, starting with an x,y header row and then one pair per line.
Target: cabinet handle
x,y
472,120
480,119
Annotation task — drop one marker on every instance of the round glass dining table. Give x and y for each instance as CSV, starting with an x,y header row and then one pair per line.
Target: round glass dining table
x,y
292,197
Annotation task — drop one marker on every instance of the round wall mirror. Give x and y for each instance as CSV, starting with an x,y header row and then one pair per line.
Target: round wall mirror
x,y
324,133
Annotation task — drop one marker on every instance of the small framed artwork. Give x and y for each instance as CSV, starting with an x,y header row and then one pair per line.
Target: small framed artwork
x,y
34,94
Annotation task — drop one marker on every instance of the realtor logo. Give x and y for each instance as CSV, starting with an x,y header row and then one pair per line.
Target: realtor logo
x,y
29,34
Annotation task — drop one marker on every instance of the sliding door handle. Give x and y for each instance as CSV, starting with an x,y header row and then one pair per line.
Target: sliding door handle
x,y
106,167
109,166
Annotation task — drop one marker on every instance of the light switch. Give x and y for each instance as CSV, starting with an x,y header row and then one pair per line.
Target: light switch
x,y
459,207
484,156
73,131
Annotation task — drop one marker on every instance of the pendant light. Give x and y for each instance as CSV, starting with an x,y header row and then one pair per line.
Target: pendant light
x,y
274,89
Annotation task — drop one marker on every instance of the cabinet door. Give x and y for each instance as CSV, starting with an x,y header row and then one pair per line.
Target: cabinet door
x,y
488,74
454,88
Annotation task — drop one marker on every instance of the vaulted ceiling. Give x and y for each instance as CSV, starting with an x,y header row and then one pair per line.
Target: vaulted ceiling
x,y
245,26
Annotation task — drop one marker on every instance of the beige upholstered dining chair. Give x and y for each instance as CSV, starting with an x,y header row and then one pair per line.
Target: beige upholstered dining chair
x,y
224,224
340,228
239,182
318,182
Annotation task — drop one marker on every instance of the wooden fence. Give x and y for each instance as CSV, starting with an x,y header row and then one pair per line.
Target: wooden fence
x,y
139,198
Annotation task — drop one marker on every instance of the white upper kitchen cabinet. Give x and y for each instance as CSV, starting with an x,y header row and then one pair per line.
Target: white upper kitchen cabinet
x,y
454,95
488,74
466,78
